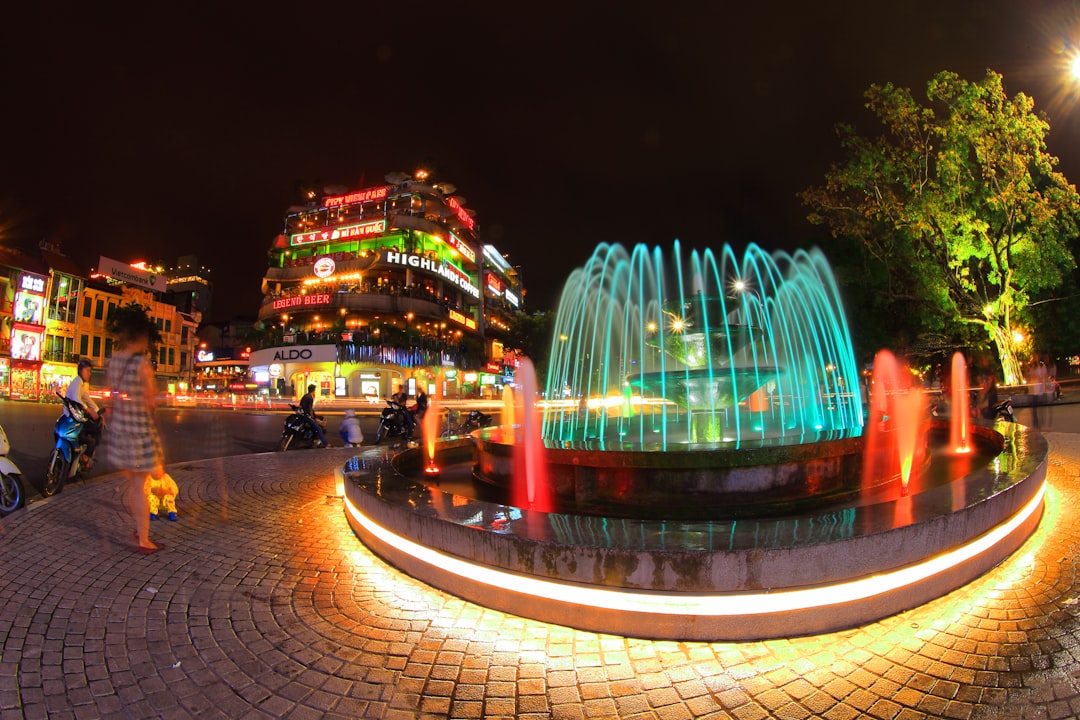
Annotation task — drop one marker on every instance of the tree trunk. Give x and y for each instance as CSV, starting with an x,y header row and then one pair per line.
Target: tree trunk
x,y
1011,370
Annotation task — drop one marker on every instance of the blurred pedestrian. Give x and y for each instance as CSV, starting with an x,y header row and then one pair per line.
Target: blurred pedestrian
x,y
134,442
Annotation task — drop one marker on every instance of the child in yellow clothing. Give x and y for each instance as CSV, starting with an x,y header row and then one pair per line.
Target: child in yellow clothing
x,y
161,492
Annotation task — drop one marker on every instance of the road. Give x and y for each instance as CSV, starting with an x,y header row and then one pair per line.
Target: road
x,y
189,433
200,433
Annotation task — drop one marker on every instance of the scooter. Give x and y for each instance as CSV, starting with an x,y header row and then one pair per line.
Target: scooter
x,y
12,491
68,458
1003,410
299,427
392,423
473,421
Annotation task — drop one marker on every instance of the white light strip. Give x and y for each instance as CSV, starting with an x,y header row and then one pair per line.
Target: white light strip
x,y
719,604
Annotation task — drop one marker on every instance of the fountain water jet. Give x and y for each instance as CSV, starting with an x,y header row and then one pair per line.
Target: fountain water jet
x,y
959,407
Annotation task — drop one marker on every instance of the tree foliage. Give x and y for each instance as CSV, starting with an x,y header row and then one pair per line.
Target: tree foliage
x,y
956,208
530,335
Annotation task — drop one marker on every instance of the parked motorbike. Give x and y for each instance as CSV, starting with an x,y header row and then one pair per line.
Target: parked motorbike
x,y
1003,410
68,458
393,423
12,491
300,428
474,420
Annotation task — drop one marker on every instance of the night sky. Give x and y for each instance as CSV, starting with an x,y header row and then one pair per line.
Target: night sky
x,y
155,130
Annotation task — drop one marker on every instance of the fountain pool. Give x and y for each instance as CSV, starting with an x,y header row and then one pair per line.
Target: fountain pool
x,y
705,459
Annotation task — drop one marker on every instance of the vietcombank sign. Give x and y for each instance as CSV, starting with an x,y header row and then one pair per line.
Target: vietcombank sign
x,y
131,275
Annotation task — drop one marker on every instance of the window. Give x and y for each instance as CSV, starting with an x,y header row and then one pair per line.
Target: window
x,y
97,346
161,356
84,341
172,356
183,360
86,307
108,347
99,309
183,335
168,325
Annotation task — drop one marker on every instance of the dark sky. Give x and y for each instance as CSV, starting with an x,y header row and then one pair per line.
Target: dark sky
x,y
160,129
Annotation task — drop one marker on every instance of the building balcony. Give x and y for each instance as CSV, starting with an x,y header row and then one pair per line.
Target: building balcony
x,y
332,305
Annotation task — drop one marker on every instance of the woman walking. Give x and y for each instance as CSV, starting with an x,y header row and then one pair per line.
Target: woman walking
x,y
134,443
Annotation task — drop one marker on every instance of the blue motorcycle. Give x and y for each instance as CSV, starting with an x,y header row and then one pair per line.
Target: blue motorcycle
x,y
68,458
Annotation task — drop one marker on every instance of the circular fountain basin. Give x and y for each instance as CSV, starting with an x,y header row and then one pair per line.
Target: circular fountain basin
x,y
838,566
753,478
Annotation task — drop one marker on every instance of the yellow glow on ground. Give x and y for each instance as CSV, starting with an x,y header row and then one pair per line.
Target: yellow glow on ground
x,y
711,605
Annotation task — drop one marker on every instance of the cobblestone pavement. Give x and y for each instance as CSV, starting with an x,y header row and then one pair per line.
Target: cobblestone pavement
x,y
264,605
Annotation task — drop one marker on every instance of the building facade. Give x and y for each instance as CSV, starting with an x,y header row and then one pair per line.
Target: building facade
x,y
53,314
383,286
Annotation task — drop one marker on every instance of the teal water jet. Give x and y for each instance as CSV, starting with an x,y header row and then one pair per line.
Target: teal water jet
x,y
653,352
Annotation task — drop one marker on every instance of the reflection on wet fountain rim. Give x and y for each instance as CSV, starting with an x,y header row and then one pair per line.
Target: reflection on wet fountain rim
x,y
1023,451
1009,480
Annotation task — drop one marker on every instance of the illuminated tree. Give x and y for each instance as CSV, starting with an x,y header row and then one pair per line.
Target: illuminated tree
x,y
956,208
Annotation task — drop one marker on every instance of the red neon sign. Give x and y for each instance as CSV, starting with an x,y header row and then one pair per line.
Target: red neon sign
x,y
494,284
362,230
301,301
463,216
375,193
460,245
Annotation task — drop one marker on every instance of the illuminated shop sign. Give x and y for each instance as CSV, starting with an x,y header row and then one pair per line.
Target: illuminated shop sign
x,y
462,247
462,319
494,284
511,298
463,216
342,233
26,342
443,270
204,356
324,267
32,283
302,301
368,195
29,308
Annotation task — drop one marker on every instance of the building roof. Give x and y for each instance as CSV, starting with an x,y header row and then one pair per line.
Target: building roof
x,y
10,257
63,264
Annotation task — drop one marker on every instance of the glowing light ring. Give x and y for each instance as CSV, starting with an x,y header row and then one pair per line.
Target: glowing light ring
x,y
715,605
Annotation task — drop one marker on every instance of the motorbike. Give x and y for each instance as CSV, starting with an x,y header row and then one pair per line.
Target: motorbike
x,y
299,427
474,420
1003,410
68,458
393,423
12,491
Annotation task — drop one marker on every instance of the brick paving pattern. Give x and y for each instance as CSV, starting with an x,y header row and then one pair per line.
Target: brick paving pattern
x,y
264,605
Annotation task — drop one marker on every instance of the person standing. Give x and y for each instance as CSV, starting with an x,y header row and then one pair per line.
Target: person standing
x,y
134,442
79,391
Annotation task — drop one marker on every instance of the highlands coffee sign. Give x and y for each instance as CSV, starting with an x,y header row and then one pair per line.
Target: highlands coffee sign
x,y
443,270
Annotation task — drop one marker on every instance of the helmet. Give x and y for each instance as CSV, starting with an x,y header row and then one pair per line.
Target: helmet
x,y
84,363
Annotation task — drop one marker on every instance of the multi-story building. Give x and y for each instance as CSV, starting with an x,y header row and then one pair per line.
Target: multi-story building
x,y
115,284
23,290
380,286
53,313
188,286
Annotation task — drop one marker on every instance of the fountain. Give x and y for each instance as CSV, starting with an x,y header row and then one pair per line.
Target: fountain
x,y
703,436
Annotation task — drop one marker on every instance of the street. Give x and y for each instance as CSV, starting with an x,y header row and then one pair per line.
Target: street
x,y
189,433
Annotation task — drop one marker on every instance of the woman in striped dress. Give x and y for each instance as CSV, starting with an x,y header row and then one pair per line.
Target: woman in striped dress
x,y
134,443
